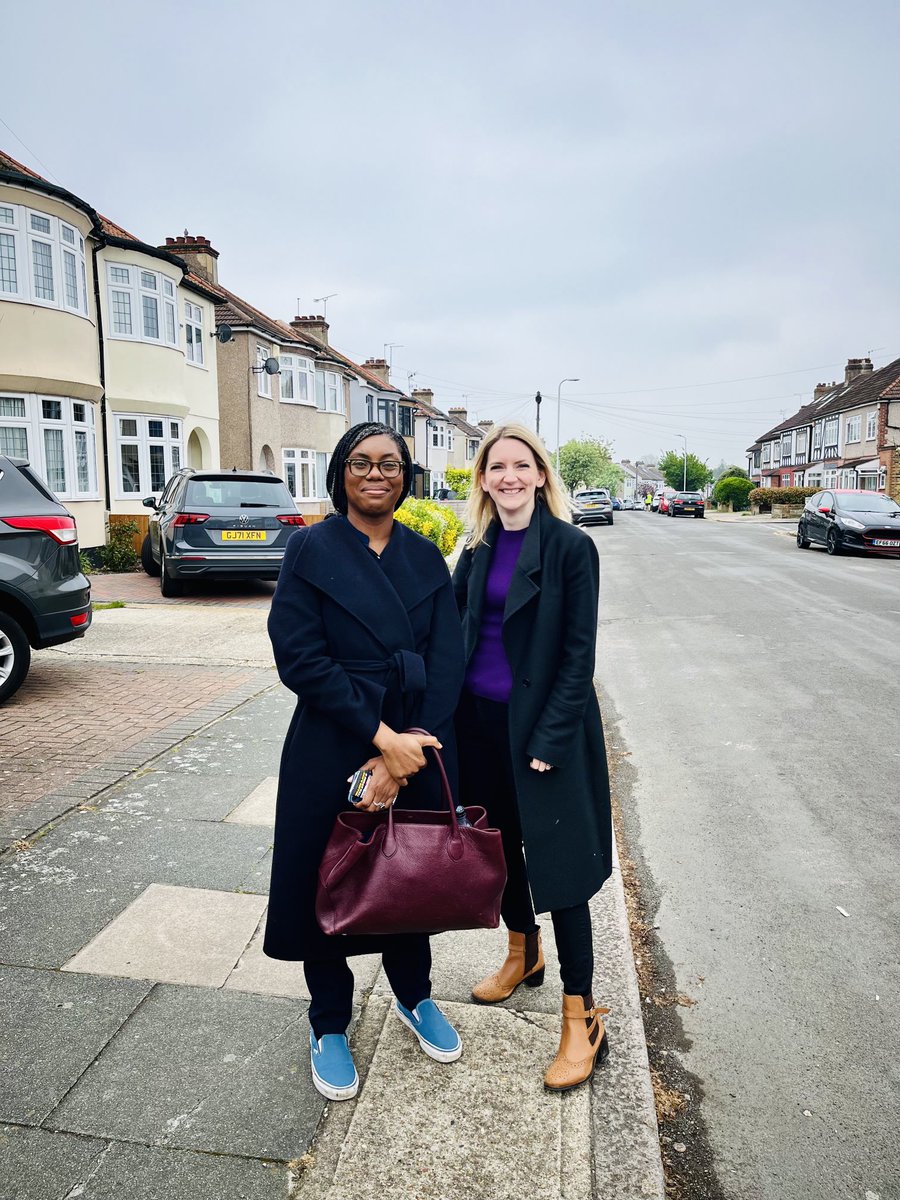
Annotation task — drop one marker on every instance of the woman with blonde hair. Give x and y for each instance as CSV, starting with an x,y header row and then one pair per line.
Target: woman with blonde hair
x,y
530,739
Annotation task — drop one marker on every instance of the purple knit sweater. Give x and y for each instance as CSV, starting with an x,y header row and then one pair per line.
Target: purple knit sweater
x,y
489,673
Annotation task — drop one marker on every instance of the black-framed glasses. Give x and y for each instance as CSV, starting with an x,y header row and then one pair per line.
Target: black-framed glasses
x,y
390,468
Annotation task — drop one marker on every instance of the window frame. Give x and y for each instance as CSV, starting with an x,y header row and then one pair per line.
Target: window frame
x,y
36,424
872,425
24,238
193,335
142,441
263,379
303,460
137,291
853,429
298,368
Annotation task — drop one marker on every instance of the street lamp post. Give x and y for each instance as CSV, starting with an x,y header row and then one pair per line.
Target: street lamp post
x,y
684,472
571,379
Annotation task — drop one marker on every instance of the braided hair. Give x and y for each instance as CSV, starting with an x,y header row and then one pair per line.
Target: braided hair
x,y
334,480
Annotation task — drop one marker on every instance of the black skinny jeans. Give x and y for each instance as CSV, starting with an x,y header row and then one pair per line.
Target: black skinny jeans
x,y
406,958
486,777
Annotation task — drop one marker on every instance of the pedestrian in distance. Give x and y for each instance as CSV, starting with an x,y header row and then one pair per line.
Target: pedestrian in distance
x,y
365,630
529,734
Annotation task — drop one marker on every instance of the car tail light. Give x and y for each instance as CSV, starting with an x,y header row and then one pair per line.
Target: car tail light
x,y
81,619
61,529
290,519
190,518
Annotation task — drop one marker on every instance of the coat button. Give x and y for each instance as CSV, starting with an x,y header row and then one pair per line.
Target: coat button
x,y
526,683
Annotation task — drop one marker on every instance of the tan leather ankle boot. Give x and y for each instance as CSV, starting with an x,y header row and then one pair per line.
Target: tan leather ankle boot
x,y
524,963
582,1046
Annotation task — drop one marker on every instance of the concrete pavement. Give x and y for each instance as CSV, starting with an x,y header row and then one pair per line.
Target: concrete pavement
x,y
148,1045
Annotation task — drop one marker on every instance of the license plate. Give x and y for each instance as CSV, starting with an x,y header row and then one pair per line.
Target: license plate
x,y
243,535
883,542
687,508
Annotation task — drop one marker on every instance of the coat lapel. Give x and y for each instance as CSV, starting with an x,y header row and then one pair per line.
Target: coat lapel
x,y
336,561
525,584
475,586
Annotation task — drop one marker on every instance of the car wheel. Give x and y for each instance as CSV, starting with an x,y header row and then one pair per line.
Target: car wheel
x,y
15,656
802,539
168,586
609,519
700,515
148,562
833,542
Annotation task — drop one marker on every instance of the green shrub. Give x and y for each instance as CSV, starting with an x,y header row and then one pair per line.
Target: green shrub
x,y
459,479
732,490
766,497
85,566
119,553
435,521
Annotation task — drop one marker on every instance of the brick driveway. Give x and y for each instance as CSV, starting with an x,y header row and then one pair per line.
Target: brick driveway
x,y
79,724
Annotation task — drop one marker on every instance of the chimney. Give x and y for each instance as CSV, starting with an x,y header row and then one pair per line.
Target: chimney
x,y
380,368
485,425
423,396
460,412
856,367
822,389
317,327
197,253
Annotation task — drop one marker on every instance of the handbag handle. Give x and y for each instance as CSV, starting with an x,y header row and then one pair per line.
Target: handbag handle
x,y
455,848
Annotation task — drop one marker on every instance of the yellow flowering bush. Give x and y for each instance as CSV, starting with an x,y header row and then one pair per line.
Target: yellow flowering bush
x,y
438,523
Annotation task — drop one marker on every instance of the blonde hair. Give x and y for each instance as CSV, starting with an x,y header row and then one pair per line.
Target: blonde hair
x,y
481,510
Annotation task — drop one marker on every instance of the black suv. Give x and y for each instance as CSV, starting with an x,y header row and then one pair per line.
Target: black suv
x,y
218,525
44,598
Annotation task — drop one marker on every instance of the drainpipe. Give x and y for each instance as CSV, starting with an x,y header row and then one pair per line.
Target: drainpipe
x,y
103,425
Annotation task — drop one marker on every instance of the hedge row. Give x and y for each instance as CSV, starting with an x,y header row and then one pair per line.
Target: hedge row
x,y
435,521
766,497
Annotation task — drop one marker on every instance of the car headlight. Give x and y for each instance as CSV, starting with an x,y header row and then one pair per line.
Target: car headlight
x,y
851,524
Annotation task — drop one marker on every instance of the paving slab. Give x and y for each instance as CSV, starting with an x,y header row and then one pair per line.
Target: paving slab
x,y
212,756
164,791
149,1173
480,1127
198,1069
258,878
38,1165
53,1027
57,896
255,972
259,807
174,935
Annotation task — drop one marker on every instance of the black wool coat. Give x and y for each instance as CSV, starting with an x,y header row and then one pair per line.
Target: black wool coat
x,y
549,634
360,640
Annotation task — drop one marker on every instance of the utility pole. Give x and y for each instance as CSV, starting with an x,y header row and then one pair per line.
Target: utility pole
x,y
537,419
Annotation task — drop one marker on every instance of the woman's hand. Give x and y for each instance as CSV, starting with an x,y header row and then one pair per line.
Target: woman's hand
x,y
537,765
402,752
381,790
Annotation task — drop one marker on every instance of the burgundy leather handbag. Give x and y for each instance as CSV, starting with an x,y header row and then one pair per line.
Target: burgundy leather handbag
x,y
411,871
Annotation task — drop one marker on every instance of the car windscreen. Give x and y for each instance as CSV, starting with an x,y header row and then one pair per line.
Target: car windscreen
x,y
690,496
591,496
869,502
229,492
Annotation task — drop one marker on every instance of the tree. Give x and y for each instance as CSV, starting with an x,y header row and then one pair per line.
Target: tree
x,y
725,472
584,463
733,490
459,480
673,469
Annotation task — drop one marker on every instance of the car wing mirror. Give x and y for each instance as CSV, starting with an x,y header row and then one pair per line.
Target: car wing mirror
x,y
150,502
823,508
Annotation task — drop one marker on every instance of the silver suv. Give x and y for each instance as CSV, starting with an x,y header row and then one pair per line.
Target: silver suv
x,y
592,507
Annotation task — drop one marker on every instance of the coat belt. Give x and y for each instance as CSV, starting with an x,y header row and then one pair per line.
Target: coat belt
x,y
408,667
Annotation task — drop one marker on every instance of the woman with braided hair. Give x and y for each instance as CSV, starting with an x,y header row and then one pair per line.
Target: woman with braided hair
x,y
365,630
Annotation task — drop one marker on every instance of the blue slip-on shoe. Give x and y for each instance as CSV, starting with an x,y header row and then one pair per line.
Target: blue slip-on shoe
x,y
333,1070
436,1035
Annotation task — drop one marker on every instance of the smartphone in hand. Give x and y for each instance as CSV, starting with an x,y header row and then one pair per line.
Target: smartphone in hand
x,y
358,785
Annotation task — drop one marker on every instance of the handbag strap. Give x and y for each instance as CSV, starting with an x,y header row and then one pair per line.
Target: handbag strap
x,y
455,848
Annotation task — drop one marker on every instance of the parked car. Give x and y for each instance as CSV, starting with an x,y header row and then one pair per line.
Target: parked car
x,y
684,503
616,503
44,598
593,506
218,525
654,503
662,504
842,520
627,505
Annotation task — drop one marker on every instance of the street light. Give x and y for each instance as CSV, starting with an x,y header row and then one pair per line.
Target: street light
x,y
572,379
684,473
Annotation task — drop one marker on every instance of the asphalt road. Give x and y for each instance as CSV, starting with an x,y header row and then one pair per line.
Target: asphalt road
x,y
757,687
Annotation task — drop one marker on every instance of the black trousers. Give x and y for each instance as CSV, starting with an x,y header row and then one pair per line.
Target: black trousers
x,y
486,773
406,958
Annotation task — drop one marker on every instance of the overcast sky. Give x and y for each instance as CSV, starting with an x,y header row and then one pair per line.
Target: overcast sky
x,y
692,207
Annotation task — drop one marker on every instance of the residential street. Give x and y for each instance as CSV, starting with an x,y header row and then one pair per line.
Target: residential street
x,y
757,689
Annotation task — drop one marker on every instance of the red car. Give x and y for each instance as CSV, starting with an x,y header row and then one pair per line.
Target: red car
x,y
684,504
665,499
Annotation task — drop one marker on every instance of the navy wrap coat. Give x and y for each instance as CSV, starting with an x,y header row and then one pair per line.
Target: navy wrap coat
x,y
360,640
549,635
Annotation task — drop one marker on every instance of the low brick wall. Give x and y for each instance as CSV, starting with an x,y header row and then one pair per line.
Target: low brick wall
x,y
785,512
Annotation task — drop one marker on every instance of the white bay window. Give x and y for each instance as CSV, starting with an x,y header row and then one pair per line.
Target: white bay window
x,y
42,260
142,305
58,437
297,382
149,450
304,473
